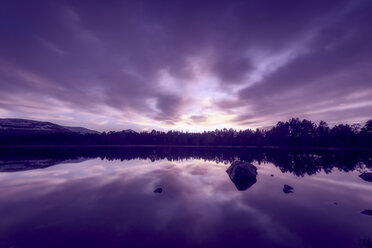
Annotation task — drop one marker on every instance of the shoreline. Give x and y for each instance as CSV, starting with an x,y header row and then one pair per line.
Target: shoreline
x,y
188,146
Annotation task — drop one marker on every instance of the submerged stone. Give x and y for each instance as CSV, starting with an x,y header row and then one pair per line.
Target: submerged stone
x,y
287,189
366,176
367,212
242,174
158,190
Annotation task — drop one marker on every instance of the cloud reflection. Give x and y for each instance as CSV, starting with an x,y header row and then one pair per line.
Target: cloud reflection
x,y
112,203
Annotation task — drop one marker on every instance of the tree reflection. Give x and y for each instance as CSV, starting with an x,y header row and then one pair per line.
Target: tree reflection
x,y
297,162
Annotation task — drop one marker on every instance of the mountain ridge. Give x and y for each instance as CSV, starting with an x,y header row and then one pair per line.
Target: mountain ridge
x,y
25,126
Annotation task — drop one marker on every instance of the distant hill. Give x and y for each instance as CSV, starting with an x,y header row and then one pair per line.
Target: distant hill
x,y
23,126
128,131
81,130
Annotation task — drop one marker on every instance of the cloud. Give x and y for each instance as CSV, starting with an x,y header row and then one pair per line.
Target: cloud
x,y
232,68
336,64
135,60
170,107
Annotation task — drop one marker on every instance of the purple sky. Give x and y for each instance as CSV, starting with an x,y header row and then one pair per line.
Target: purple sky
x,y
190,65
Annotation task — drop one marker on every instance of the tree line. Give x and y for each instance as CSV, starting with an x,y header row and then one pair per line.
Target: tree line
x,y
292,133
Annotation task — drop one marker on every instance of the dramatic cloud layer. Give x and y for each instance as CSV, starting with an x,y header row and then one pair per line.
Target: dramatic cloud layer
x,y
190,65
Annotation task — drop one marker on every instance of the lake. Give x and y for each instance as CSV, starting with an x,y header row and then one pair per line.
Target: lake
x,y
104,197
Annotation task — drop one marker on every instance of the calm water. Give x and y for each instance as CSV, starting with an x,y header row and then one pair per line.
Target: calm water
x,y
105,198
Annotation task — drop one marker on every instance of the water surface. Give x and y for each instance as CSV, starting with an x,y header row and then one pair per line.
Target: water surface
x,y
69,198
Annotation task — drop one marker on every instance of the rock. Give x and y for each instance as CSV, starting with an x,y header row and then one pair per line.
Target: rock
x,y
158,190
272,175
242,174
367,212
366,176
287,189
242,170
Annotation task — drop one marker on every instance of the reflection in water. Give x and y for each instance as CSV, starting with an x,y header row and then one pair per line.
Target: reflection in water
x,y
298,162
111,203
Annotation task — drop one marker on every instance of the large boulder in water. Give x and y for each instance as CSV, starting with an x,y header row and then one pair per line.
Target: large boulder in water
x,y
242,174
366,176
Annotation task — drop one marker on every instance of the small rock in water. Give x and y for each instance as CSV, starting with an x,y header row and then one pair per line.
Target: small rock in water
x,y
367,212
158,190
335,203
366,176
287,189
272,175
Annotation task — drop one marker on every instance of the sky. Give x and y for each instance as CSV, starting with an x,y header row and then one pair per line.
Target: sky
x,y
185,65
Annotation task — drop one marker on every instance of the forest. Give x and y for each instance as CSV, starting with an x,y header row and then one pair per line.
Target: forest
x,y
292,133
